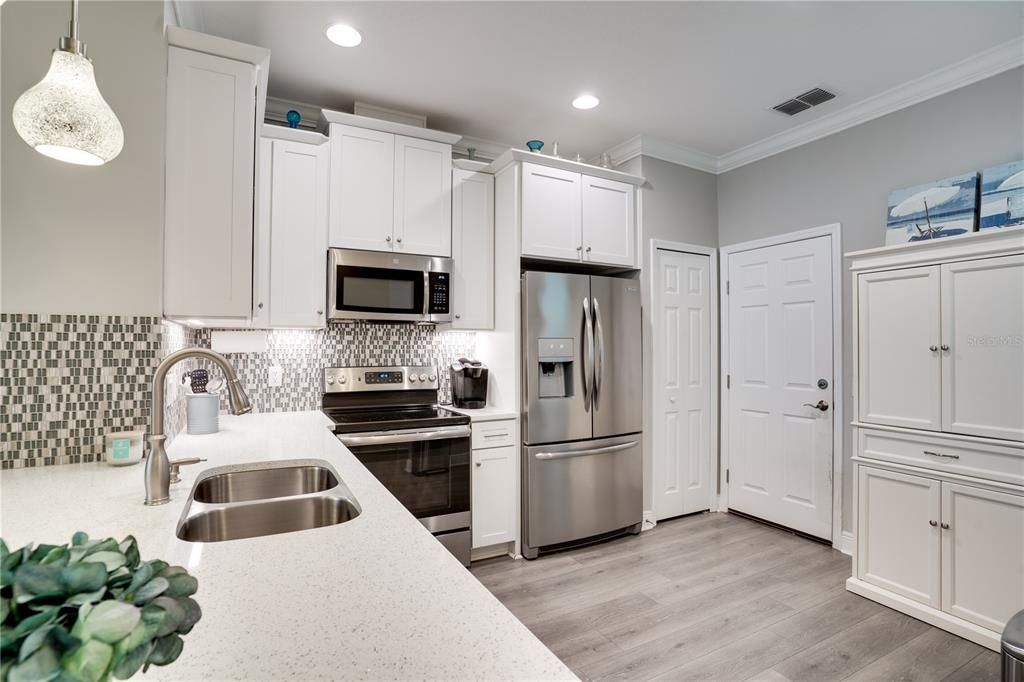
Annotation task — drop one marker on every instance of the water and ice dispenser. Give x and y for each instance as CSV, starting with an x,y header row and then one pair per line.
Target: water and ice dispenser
x,y
555,362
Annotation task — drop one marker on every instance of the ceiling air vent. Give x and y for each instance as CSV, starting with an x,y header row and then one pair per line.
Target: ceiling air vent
x,y
791,107
811,98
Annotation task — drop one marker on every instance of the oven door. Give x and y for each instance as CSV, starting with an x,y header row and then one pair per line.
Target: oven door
x,y
427,470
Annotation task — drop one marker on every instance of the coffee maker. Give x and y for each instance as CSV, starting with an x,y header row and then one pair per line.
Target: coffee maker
x,y
469,383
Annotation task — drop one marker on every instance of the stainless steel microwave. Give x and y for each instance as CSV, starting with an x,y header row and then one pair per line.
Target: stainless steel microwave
x,y
367,285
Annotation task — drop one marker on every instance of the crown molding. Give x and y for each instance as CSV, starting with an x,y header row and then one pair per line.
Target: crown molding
x,y
976,68
991,62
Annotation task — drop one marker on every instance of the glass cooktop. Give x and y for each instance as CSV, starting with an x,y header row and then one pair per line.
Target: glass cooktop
x,y
348,420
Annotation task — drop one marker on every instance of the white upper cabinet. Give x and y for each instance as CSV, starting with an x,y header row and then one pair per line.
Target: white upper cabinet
x,y
210,147
899,348
391,186
362,188
423,190
298,234
551,213
609,236
571,215
982,351
473,249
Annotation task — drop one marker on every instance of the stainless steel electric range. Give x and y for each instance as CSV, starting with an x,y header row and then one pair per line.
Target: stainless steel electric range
x,y
388,417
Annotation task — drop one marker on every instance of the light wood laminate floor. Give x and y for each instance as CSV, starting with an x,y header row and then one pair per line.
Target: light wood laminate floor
x,y
720,597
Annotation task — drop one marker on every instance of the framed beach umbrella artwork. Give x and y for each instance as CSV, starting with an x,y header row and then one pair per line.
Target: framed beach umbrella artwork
x,y
946,208
1002,196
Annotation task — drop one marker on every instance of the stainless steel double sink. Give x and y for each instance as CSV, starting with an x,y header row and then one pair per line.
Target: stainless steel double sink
x,y
266,498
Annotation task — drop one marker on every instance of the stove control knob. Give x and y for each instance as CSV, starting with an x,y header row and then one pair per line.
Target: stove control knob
x,y
330,381
342,379
433,377
412,378
423,377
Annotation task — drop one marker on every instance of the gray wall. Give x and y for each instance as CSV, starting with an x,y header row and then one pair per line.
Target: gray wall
x,y
80,239
677,204
846,178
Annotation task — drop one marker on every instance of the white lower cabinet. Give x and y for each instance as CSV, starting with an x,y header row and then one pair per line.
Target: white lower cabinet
x,y
982,554
493,489
898,539
953,547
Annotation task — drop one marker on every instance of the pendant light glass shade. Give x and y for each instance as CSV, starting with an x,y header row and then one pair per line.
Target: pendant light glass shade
x,y
64,116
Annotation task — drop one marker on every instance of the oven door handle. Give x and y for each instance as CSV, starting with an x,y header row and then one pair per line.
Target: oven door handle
x,y
385,438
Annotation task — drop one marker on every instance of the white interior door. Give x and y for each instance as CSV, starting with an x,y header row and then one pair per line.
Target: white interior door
x,y
780,366
682,368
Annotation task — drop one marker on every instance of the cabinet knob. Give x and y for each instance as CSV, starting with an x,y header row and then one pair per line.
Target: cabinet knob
x,y
945,526
933,348
399,240
588,249
933,523
945,347
260,306
388,238
580,247
479,464
320,312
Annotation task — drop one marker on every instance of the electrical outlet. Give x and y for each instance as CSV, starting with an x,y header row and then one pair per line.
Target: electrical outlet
x,y
275,376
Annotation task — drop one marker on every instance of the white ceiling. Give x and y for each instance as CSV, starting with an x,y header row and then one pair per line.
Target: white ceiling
x,y
702,76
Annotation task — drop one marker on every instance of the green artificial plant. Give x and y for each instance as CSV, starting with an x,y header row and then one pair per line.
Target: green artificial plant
x,y
90,611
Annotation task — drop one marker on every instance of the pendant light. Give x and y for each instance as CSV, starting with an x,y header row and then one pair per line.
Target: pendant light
x,y
64,116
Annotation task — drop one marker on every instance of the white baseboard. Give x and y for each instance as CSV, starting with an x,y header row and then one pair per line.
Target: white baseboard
x,y
846,543
649,521
939,619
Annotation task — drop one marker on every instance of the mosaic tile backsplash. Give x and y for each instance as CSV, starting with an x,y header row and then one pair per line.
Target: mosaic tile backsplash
x,y
66,380
302,355
69,379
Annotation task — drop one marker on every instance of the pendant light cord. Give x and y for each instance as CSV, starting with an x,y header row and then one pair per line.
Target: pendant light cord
x,y
74,21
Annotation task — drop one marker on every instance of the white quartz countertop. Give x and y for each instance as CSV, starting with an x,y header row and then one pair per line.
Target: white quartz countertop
x,y
484,414
374,598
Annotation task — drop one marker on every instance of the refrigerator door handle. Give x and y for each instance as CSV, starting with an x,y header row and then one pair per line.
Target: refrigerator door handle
x,y
587,353
599,365
585,453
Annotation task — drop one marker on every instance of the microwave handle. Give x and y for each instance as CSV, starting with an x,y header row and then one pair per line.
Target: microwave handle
x,y
426,294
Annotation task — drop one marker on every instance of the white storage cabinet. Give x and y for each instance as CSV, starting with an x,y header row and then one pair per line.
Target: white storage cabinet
x,y
473,249
939,460
493,497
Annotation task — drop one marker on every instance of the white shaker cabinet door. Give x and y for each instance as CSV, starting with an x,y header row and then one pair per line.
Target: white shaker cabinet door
x,y
473,249
898,348
298,244
362,188
898,533
983,347
493,495
982,554
551,220
423,197
208,234
609,234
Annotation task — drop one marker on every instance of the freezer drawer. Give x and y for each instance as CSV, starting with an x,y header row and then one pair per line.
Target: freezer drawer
x,y
581,489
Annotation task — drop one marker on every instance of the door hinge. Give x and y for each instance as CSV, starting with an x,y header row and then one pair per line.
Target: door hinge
x,y
726,475
726,287
728,381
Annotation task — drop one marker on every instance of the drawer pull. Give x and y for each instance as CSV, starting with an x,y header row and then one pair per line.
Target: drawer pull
x,y
930,523
941,454
496,435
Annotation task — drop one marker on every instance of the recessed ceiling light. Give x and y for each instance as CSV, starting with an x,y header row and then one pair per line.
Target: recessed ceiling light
x,y
344,35
586,102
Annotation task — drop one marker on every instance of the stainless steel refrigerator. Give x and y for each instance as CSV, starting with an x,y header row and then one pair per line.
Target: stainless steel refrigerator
x,y
582,404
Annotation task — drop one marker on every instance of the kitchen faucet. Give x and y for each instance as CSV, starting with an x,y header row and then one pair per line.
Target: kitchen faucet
x,y
158,467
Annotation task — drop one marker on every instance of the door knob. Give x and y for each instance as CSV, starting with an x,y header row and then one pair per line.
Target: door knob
x,y
820,405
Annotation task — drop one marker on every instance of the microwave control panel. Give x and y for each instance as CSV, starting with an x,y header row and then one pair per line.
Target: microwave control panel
x,y
439,292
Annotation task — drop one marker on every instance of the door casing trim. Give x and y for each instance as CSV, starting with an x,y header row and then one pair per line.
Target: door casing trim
x,y
833,230
655,245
